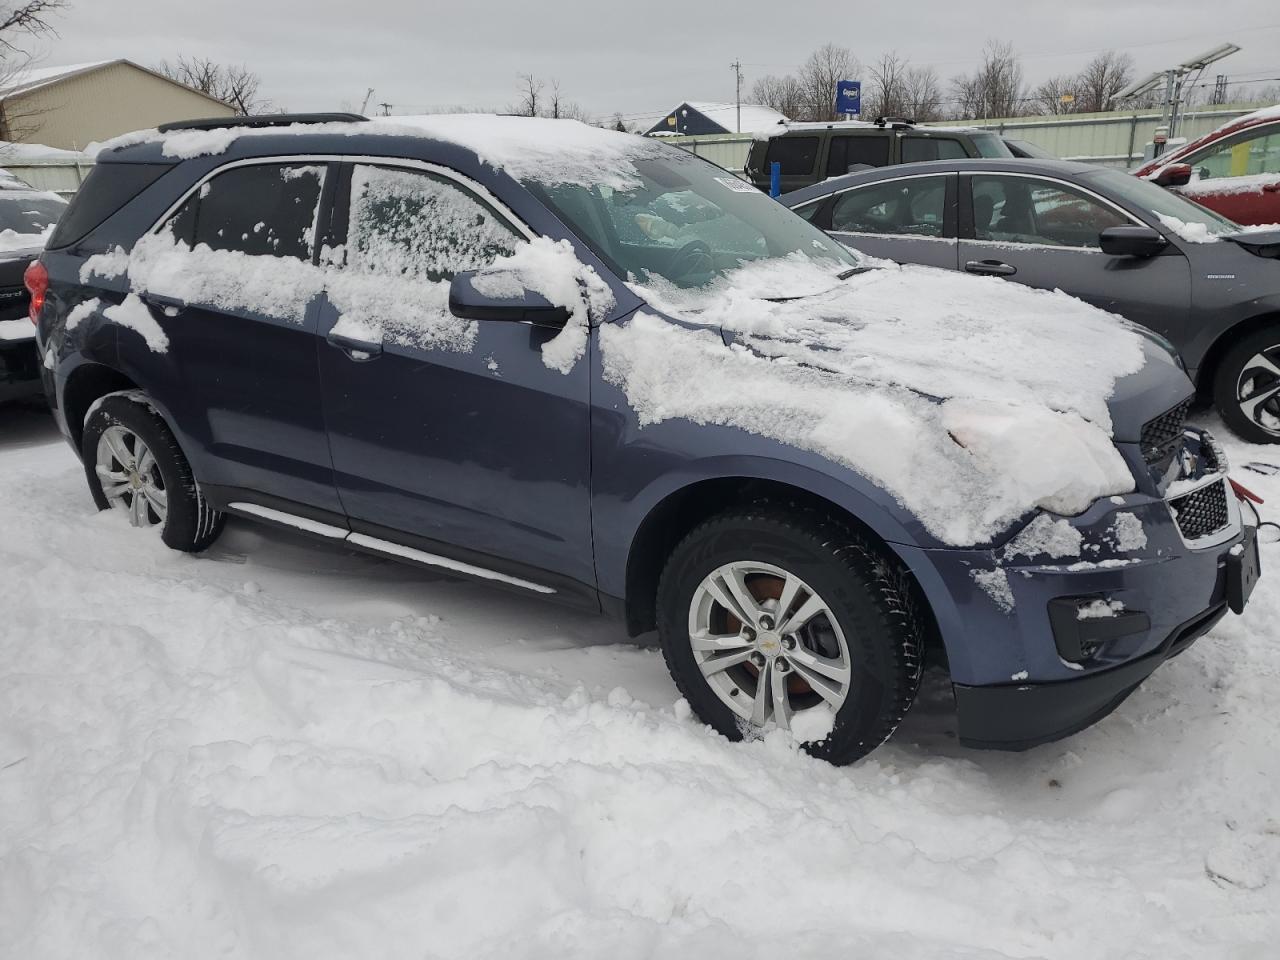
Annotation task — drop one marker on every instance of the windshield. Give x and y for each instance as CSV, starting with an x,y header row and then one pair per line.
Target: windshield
x,y
1159,202
686,221
30,213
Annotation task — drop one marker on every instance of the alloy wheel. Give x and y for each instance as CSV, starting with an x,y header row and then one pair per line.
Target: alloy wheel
x,y
130,477
1258,390
767,644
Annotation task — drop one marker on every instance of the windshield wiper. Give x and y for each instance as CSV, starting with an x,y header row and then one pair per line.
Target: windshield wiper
x,y
853,272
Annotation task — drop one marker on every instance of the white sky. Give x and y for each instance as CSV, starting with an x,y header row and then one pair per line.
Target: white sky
x,y
632,57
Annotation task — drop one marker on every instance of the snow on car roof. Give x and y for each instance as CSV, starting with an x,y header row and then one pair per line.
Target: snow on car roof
x,y
527,148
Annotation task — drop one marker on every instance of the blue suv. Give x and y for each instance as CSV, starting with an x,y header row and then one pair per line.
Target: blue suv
x,y
586,366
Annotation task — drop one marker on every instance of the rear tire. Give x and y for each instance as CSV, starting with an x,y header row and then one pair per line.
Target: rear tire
x,y
1246,388
133,463
791,562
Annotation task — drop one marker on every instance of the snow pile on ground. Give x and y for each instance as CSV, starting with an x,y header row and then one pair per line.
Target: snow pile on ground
x,y
279,750
970,402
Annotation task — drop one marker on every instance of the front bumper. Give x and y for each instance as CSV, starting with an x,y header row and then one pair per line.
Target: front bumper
x,y
1022,673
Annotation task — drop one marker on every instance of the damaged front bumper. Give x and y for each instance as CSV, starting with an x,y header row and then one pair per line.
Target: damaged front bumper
x,y
1050,632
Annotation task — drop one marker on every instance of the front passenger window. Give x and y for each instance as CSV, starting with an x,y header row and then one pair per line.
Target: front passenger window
x,y
420,226
1026,210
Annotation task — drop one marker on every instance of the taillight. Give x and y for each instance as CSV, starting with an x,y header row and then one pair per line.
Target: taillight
x,y
36,280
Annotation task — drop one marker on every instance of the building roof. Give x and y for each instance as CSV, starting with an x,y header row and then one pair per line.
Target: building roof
x,y
29,79
754,116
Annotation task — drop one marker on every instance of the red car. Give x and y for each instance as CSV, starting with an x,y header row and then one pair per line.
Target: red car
x,y
1234,171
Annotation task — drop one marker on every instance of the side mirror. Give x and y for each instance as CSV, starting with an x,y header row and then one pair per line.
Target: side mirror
x,y
1131,242
512,304
1174,175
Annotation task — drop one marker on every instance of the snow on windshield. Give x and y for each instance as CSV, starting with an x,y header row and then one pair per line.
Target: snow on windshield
x,y
970,401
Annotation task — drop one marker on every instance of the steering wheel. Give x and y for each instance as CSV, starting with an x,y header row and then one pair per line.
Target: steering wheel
x,y
694,257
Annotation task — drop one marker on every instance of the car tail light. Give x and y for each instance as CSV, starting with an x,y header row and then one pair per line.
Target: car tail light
x,y
36,280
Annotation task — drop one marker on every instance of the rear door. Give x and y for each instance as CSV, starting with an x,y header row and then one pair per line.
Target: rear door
x,y
450,436
1239,176
922,147
906,219
1044,233
851,152
230,281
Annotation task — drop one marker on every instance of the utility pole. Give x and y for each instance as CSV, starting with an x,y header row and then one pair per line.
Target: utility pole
x,y
386,109
368,94
737,73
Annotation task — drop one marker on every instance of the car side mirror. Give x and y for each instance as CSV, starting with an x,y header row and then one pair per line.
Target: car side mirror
x,y
1174,175
510,304
1131,241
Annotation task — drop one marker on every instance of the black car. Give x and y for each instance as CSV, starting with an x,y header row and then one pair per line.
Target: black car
x,y
1109,238
809,153
26,217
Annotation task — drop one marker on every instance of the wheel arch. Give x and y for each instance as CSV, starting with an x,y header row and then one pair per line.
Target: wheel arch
x,y
1207,371
676,514
85,385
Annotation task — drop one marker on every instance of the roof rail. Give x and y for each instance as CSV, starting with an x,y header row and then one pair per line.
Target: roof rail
x,y
897,123
262,120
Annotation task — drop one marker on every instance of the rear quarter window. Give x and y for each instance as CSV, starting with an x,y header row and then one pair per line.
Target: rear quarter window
x,y
106,190
796,155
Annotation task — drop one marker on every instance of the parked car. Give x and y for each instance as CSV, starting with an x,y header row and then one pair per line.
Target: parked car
x,y
1026,150
26,217
1116,241
812,152
596,369
1234,170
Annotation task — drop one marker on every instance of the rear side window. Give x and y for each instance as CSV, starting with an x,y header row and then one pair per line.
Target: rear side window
x,y
263,210
795,154
916,149
865,151
420,226
108,187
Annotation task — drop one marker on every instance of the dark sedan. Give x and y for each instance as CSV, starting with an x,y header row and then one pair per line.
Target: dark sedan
x,y
1118,242
26,218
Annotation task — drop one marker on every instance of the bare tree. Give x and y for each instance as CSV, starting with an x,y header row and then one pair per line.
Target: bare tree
x,y
530,95
818,77
1102,78
28,18
996,88
884,91
234,85
922,94
781,93
1048,97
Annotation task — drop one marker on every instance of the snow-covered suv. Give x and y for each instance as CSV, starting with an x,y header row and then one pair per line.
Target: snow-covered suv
x,y
592,368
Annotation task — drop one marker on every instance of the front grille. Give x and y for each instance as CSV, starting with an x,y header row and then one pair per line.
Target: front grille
x,y
1159,436
1202,513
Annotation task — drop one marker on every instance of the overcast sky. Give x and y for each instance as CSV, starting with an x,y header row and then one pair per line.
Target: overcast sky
x,y
641,56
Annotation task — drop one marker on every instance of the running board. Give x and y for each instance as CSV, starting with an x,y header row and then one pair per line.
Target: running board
x,y
385,547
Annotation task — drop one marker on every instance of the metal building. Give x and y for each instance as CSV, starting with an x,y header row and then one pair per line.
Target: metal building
x,y
70,107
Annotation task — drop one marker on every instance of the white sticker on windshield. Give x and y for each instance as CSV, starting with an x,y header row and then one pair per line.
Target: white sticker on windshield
x,y
736,185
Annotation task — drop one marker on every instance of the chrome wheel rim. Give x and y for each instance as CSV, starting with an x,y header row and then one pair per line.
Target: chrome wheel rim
x,y
1258,391
767,644
130,477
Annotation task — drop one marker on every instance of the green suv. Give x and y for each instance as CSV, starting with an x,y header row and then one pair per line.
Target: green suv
x,y
812,152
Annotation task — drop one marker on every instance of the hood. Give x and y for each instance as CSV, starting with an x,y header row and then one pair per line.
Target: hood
x,y
971,400
1261,243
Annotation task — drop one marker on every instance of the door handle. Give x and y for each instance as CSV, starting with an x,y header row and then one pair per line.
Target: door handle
x,y
353,347
990,268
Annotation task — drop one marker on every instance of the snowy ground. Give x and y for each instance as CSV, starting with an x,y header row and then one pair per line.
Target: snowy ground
x,y
284,750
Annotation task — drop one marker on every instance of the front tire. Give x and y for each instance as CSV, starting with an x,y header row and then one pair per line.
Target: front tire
x,y
790,620
133,464
1246,388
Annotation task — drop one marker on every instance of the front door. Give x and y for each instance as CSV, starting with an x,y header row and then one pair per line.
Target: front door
x,y
450,436
1044,233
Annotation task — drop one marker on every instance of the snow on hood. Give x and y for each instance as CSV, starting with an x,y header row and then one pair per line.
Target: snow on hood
x,y
971,401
